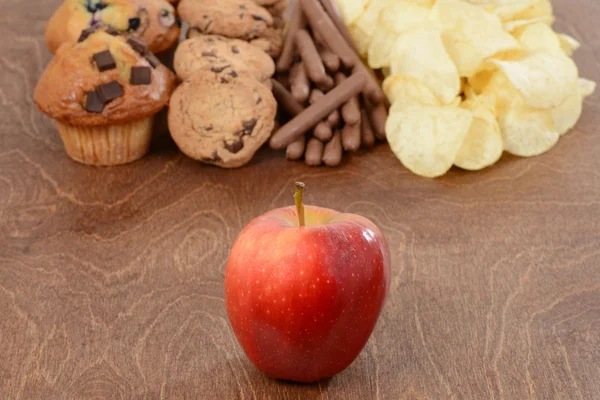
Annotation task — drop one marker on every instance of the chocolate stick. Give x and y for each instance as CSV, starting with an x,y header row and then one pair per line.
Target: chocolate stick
x,y
285,99
295,150
323,132
351,137
299,83
297,22
321,22
330,59
312,60
314,152
366,131
372,89
332,156
332,9
333,119
350,110
316,112
378,116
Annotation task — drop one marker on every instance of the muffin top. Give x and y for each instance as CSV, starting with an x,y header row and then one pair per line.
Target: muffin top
x,y
103,79
153,21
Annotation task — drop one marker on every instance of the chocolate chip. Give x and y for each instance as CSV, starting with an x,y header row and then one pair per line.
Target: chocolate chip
x,y
110,91
134,24
112,31
137,45
93,7
215,158
94,103
152,59
234,147
85,34
209,54
104,61
250,125
218,70
208,128
258,18
259,100
235,49
233,74
141,76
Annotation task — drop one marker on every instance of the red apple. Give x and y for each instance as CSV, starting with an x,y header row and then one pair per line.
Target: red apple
x,y
303,298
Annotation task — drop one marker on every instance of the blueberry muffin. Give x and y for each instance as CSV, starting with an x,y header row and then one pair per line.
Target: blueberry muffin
x,y
152,21
104,92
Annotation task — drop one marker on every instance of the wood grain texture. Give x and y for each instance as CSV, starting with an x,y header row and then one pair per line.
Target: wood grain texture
x,y
111,280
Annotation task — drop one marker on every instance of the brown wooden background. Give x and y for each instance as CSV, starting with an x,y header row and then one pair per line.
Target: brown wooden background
x,y
111,280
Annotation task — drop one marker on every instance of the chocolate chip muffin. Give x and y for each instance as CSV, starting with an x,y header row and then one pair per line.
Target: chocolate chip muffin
x,y
241,19
103,93
217,51
150,20
221,117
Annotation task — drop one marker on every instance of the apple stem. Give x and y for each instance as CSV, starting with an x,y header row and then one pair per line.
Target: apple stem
x,y
299,205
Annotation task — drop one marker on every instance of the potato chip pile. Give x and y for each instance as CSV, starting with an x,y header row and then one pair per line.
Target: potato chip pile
x,y
469,79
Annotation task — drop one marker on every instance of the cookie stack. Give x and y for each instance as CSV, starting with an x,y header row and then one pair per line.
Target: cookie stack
x,y
223,111
259,22
335,102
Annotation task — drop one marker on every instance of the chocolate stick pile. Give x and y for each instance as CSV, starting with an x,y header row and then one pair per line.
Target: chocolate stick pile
x,y
334,101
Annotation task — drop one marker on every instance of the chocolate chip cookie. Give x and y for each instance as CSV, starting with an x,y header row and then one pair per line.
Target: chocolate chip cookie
x,y
217,51
241,19
278,8
221,119
271,42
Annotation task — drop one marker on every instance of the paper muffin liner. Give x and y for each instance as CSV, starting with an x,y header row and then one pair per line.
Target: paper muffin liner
x,y
107,145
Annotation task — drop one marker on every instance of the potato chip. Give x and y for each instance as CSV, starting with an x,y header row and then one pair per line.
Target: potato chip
x,y
424,3
470,34
586,87
361,40
396,19
567,114
494,88
539,9
512,26
426,139
568,44
527,131
483,145
544,79
538,37
508,11
420,53
351,10
405,91
363,28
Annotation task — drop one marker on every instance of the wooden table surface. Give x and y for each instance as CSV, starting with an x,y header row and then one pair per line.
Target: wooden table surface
x,y
111,280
